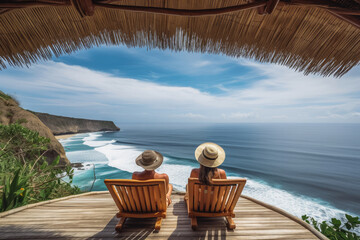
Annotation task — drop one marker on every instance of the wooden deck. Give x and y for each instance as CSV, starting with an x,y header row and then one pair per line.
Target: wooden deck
x,y
93,217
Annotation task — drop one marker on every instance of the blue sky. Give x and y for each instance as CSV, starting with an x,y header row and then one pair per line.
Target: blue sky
x,y
139,85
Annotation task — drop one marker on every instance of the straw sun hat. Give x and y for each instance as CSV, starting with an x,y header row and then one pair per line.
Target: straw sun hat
x,y
210,154
149,160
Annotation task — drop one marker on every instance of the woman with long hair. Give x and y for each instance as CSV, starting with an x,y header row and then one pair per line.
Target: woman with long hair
x,y
210,156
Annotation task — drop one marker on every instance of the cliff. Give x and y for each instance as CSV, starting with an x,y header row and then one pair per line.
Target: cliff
x,y
11,112
67,125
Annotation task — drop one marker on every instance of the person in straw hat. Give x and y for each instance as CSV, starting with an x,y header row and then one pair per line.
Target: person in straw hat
x,y
210,156
151,160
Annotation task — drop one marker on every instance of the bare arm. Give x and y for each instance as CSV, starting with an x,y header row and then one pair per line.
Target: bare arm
x,y
222,174
168,186
194,173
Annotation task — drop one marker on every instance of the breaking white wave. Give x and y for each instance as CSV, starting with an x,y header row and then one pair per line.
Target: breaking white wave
x,y
294,204
92,141
87,156
123,158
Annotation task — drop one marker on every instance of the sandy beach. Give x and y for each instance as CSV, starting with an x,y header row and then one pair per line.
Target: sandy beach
x,y
64,136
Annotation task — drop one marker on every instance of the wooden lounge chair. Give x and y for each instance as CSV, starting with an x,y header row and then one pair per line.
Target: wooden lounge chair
x,y
138,199
217,200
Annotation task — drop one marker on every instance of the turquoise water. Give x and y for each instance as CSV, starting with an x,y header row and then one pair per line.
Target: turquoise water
x,y
302,168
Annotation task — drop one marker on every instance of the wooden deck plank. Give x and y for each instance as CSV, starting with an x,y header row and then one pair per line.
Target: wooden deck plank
x,y
93,217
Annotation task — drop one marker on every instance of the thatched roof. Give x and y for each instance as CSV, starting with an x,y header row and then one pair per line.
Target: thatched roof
x,y
321,37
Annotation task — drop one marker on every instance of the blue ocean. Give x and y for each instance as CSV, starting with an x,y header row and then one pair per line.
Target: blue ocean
x,y
308,169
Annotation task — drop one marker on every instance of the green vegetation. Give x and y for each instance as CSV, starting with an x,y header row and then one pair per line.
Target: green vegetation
x,y
8,97
336,230
5,96
25,175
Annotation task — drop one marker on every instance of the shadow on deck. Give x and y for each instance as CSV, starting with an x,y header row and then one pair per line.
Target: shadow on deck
x,y
92,216
213,228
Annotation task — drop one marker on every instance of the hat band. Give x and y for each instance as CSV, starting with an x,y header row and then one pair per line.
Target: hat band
x,y
209,158
147,163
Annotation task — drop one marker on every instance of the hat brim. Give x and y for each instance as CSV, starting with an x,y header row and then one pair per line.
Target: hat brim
x,y
209,163
157,163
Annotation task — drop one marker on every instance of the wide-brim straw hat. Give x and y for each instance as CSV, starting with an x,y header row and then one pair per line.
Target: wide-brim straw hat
x,y
210,154
149,160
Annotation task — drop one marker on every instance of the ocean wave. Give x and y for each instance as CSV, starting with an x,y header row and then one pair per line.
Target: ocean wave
x,y
91,140
92,136
86,156
123,158
296,205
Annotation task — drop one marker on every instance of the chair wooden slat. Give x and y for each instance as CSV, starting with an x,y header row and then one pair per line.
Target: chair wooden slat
x,y
162,195
157,198
239,189
214,198
147,198
226,195
130,204
191,195
202,198
141,198
230,199
196,197
131,198
220,198
152,199
208,196
116,198
122,207
138,199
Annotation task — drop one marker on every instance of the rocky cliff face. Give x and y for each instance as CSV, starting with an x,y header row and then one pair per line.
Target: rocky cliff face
x,y
10,112
66,125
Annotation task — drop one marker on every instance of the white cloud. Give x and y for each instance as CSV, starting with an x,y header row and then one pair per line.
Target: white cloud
x,y
191,64
191,116
281,96
238,116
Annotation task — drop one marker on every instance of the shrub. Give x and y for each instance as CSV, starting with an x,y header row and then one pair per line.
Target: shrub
x,y
7,97
25,175
336,230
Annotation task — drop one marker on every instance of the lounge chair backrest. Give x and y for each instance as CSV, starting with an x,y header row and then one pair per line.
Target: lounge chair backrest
x,y
221,197
135,196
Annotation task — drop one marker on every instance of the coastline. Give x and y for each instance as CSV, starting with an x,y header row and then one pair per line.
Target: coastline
x,y
64,136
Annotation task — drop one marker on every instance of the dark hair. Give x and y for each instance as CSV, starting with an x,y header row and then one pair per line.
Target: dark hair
x,y
206,174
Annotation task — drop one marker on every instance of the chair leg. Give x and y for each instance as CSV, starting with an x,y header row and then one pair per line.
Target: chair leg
x,y
158,223
194,223
120,224
230,223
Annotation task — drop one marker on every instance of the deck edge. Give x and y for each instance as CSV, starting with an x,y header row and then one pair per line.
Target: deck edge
x,y
22,208
288,215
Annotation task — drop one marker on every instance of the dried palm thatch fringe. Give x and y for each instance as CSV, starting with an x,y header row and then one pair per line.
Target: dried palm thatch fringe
x,y
305,39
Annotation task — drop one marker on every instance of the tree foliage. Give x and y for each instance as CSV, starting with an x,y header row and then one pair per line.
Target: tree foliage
x,y
336,230
25,175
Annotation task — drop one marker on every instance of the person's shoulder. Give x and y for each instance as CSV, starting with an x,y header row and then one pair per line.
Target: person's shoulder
x,y
195,172
222,173
136,174
161,175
